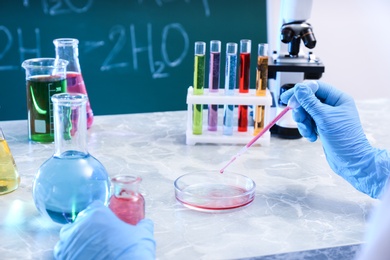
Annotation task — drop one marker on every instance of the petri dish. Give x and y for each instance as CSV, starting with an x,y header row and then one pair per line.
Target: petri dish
x,y
212,191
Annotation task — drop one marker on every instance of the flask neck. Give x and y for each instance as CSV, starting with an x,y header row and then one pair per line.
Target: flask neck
x,y
2,138
126,185
70,124
67,49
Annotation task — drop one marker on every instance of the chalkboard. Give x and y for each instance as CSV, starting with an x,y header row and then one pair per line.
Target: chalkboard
x,y
136,55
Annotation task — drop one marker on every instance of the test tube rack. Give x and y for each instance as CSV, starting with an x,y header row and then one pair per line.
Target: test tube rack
x,y
220,98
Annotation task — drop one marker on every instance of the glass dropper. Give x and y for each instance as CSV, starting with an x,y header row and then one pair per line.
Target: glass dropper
x,y
292,104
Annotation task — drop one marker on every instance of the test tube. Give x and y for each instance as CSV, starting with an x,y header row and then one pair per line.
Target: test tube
x,y
230,85
261,84
199,74
244,79
214,72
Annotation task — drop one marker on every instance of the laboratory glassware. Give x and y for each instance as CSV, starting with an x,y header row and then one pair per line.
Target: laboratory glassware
x,y
44,78
261,84
244,82
72,178
214,78
9,176
212,192
67,49
292,104
230,85
199,75
126,201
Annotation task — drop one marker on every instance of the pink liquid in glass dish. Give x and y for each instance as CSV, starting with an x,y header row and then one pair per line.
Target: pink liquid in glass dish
x,y
212,192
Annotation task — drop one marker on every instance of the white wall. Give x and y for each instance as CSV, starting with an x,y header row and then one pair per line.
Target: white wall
x,y
353,42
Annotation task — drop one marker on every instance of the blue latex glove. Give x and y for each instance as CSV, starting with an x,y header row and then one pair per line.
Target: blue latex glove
x,y
98,233
332,115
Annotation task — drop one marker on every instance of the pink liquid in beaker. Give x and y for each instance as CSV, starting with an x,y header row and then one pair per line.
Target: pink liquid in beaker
x,y
129,209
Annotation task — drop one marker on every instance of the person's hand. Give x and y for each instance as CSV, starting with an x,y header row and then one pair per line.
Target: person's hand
x,y
98,233
332,115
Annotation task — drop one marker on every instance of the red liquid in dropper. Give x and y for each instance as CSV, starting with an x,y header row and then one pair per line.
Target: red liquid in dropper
x,y
254,139
75,84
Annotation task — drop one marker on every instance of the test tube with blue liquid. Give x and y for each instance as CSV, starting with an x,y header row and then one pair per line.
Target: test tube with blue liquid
x,y
230,85
214,74
199,75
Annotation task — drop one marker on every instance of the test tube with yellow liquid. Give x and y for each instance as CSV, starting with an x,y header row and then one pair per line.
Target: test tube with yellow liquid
x,y
261,85
199,75
9,176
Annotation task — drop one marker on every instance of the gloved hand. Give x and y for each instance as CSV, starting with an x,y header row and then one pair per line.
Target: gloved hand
x,y
332,115
98,233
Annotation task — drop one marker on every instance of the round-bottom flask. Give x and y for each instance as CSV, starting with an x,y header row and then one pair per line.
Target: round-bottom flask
x,y
71,179
127,202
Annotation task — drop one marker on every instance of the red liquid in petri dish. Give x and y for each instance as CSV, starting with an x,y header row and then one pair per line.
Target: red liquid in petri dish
x,y
215,197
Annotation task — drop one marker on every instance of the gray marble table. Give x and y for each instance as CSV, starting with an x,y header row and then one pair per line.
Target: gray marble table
x,y
300,204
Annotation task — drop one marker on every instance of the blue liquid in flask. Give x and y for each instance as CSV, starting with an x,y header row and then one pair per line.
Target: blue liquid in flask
x,y
71,179
69,184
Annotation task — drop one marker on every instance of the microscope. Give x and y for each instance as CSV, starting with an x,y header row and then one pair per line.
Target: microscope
x,y
291,65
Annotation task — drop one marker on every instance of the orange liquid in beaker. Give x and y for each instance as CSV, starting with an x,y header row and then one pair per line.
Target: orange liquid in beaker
x,y
9,176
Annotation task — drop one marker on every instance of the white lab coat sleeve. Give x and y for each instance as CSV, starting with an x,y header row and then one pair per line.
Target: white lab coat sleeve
x,y
377,238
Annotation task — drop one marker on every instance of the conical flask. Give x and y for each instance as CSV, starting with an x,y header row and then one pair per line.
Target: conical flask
x,y
9,176
67,49
71,179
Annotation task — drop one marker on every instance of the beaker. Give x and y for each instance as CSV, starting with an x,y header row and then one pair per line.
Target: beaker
x,y
44,78
9,176
67,49
127,202
71,179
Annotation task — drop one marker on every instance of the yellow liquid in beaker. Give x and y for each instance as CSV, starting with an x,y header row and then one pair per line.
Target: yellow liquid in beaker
x,y
9,176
